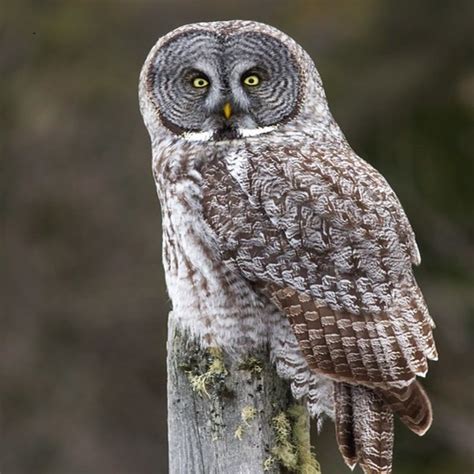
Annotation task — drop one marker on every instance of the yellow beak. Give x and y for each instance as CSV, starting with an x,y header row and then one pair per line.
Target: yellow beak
x,y
227,110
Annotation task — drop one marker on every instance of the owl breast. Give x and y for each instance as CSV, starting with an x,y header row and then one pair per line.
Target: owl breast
x,y
208,296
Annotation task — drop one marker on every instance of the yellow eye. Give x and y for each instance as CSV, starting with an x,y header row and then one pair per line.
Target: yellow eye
x,y
200,82
252,80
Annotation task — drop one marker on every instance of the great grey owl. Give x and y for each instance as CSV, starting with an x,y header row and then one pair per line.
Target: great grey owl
x,y
275,232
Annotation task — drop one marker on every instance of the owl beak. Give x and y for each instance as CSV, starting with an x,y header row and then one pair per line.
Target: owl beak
x,y
227,110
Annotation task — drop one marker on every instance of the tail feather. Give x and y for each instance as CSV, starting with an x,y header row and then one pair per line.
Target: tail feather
x,y
364,422
364,428
344,423
412,405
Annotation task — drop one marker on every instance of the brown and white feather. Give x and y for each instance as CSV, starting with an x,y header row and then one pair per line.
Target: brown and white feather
x,y
284,236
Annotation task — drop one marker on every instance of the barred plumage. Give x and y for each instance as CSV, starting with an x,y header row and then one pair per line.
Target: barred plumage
x,y
276,232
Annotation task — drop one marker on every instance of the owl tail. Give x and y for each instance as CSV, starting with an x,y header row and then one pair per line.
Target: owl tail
x,y
412,405
364,422
364,428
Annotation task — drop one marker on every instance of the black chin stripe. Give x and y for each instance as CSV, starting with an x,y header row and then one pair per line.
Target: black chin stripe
x,y
226,133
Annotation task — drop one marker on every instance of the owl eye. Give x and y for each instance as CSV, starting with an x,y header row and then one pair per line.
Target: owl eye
x,y
200,82
251,80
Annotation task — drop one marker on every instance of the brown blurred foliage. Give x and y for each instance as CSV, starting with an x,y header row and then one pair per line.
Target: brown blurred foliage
x,y
83,322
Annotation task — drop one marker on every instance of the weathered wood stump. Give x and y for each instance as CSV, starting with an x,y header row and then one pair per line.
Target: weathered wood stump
x,y
228,416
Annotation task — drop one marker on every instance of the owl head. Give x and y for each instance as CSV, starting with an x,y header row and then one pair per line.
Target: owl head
x,y
228,80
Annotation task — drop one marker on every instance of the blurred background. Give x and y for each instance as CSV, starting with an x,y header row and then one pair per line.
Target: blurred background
x,y
84,306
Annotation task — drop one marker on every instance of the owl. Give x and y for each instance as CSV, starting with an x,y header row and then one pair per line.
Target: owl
x,y
276,234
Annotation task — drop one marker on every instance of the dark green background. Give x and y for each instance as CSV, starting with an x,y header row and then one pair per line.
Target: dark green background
x,y
83,323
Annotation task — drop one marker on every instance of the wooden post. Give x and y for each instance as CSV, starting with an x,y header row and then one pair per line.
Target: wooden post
x,y
230,416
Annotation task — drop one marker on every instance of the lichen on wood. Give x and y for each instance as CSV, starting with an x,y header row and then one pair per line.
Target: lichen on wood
x,y
221,411
213,375
247,415
293,447
252,365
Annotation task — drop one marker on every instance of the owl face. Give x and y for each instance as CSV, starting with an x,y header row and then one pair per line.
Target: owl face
x,y
223,85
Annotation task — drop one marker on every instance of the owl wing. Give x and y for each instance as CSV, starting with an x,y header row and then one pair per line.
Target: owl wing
x,y
324,236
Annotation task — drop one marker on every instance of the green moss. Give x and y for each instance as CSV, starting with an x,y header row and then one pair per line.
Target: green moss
x,y
307,461
247,415
252,365
239,432
293,448
206,371
268,463
211,375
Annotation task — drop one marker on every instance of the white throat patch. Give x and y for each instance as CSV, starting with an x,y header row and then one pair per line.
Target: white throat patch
x,y
243,133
